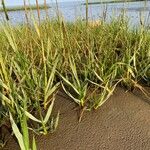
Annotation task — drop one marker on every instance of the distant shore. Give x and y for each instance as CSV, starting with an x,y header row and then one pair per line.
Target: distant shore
x,y
112,1
20,8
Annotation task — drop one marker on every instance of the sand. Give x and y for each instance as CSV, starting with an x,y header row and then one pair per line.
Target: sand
x,y
122,123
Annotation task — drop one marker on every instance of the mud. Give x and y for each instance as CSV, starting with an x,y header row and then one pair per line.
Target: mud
x,y
122,123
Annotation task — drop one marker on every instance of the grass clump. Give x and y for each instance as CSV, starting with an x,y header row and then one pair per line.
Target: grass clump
x,y
88,62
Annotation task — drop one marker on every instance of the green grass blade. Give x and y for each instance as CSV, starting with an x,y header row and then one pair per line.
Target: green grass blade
x,y
34,144
17,133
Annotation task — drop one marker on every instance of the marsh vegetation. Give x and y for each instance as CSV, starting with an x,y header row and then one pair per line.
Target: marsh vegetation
x,y
88,60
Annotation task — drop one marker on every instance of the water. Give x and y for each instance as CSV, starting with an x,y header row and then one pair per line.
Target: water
x,y
75,10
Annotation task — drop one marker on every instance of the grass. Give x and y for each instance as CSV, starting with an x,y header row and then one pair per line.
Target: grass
x,y
21,8
87,60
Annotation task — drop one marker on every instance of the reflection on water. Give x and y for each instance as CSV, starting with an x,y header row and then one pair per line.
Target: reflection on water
x,y
75,10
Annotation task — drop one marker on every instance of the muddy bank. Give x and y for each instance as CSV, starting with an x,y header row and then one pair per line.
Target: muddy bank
x,y
122,123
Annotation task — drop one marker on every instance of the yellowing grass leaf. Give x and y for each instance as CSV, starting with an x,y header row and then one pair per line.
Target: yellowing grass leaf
x,y
3,85
69,83
51,91
10,38
51,77
32,117
76,100
74,70
5,99
48,114
56,121
98,77
36,27
3,68
131,72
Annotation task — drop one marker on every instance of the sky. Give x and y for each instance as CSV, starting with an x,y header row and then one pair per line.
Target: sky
x,y
20,2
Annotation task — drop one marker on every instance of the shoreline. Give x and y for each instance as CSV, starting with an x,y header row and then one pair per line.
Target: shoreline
x,y
22,8
112,2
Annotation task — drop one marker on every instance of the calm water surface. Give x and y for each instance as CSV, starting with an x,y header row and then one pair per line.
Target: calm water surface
x,y
75,10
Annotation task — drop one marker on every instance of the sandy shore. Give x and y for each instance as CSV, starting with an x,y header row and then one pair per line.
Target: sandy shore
x,y
122,123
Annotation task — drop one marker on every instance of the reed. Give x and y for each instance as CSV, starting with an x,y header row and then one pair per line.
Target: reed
x,y
46,8
5,10
26,11
38,10
87,11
